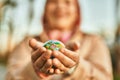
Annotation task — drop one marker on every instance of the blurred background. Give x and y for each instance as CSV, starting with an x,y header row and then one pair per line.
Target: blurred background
x,y
21,18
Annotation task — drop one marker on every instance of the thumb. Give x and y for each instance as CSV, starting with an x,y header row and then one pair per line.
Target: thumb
x,y
34,44
75,46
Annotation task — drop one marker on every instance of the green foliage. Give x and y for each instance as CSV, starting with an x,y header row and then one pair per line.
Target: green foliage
x,y
116,77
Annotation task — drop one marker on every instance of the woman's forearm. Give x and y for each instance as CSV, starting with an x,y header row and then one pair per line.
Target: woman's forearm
x,y
85,70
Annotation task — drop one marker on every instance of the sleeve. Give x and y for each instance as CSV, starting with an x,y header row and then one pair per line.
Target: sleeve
x,y
97,65
19,63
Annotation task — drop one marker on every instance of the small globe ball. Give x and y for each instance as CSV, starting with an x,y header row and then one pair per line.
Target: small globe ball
x,y
53,45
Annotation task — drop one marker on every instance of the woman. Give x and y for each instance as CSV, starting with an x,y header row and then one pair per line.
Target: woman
x,y
85,57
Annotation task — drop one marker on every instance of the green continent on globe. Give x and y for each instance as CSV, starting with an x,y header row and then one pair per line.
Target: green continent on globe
x,y
53,45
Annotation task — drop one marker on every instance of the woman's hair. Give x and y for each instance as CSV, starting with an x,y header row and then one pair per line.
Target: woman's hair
x,y
77,22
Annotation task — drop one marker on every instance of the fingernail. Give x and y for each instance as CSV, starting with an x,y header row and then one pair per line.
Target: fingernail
x,y
51,70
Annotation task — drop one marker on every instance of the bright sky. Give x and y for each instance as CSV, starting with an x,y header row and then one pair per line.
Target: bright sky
x,y
98,13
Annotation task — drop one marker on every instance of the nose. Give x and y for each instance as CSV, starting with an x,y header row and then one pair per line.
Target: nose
x,y
60,5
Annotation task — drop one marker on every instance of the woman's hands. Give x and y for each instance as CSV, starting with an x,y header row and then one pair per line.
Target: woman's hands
x,y
43,64
65,59
40,58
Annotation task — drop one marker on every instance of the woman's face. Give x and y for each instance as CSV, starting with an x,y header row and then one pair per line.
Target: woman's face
x,y
61,14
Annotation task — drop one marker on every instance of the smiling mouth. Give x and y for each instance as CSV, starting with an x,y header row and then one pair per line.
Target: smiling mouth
x,y
60,15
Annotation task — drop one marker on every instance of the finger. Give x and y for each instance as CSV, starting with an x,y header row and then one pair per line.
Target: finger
x,y
51,71
76,46
66,61
47,66
59,65
73,46
72,55
34,44
42,59
42,75
58,71
36,54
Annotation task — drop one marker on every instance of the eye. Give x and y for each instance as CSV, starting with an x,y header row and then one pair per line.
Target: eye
x,y
67,2
52,1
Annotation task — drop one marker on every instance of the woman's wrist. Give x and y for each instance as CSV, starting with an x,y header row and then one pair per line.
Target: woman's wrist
x,y
71,70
